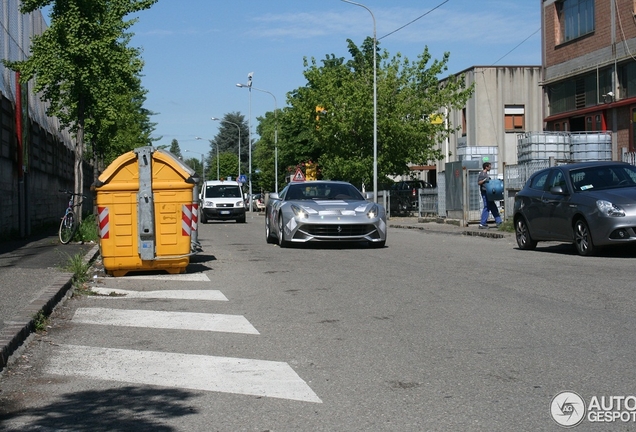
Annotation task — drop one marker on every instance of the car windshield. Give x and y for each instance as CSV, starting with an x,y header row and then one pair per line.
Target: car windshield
x,y
603,177
222,191
323,191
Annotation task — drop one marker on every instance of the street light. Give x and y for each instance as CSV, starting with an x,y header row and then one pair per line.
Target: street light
x,y
249,130
275,133
218,175
239,146
202,164
375,106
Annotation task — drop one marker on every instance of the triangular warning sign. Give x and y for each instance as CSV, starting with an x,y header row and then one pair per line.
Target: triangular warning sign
x,y
299,176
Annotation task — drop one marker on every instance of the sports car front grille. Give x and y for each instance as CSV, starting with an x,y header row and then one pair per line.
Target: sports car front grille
x,y
333,230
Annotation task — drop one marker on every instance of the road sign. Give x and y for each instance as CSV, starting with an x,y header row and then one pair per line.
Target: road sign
x,y
299,176
242,178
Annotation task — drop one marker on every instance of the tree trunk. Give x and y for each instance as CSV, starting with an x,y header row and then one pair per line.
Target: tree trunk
x,y
79,158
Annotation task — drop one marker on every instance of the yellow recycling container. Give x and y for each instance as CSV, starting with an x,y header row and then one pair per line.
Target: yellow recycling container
x,y
145,201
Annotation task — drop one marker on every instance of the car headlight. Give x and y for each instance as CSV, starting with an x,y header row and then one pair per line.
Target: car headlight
x,y
239,204
373,211
608,209
300,212
209,204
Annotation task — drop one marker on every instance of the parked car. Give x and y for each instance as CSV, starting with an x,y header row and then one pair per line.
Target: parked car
x,y
323,211
258,202
590,204
404,194
222,200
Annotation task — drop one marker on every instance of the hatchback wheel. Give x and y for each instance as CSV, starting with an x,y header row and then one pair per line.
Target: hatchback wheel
x,y
583,239
524,240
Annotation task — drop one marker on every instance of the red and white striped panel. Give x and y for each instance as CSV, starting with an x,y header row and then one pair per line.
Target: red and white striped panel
x,y
186,220
195,217
104,225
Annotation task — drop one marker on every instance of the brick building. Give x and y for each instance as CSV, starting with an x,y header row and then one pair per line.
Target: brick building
x,y
589,68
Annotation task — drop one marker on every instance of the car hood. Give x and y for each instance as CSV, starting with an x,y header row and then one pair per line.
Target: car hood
x,y
622,196
334,207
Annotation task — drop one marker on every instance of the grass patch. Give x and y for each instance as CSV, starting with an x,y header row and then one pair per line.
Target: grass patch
x,y
40,321
87,231
507,225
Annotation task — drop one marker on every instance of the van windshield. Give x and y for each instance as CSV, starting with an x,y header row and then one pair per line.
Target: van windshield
x,y
222,191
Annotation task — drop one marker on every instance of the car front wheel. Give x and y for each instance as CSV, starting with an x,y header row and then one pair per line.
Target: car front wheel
x,y
281,232
524,240
583,238
268,231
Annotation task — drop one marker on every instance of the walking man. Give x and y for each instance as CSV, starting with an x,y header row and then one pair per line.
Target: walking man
x,y
489,206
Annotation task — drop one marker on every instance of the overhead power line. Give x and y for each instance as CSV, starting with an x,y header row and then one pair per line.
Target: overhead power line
x,y
411,22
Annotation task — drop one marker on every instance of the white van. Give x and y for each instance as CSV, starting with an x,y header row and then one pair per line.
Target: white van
x,y
223,200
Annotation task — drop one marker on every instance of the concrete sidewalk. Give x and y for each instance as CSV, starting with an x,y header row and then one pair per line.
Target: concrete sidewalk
x,y
32,280
447,226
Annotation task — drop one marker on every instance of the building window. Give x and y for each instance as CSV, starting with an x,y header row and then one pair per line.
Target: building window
x,y
627,80
514,120
576,18
464,122
632,141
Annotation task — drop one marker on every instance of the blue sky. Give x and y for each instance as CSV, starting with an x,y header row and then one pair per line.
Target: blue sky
x,y
196,51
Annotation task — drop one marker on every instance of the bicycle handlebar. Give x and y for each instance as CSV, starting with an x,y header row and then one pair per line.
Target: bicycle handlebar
x,y
68,192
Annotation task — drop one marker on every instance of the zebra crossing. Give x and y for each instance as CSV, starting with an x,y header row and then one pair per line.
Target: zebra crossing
x,y
263,378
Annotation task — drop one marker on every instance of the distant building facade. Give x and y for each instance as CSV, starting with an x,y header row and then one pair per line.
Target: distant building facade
x,y
589,68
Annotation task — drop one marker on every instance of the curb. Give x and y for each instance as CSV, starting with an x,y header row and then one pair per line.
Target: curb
x,y
21,326
459,231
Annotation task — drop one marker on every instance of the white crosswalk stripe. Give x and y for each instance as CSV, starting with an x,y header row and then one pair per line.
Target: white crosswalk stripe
x,y
164,320
213,295
170,369
198,372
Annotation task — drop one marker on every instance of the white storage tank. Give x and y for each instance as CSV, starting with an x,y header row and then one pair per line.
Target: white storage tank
x,y
540,146
591,146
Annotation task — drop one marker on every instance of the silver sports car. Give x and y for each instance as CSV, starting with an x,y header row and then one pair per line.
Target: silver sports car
x,y
323,211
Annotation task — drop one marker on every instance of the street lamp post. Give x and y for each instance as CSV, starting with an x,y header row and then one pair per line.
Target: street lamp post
x,y
249,130
218,170
239,141
275,133
375,106
202,163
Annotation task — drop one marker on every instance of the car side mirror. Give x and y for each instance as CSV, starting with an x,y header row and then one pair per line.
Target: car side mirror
x,y
558,190
368,196
273,195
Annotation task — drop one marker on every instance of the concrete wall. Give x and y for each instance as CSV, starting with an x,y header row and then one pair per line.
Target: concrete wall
x,y
33,202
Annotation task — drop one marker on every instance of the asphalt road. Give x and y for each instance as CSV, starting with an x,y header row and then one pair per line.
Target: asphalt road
x,y
434,332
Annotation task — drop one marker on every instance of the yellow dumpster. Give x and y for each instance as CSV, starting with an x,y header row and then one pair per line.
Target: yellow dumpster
x,y
145,210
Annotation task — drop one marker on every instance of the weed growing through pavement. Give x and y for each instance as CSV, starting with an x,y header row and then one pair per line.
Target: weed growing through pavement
x,y
40,321
79,269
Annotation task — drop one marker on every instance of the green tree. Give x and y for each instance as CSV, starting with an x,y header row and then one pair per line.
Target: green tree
x,y
330,119
81,63
231,128
175,149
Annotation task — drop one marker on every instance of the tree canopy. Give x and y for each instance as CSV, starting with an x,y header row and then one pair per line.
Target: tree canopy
x,y
84,68
330,119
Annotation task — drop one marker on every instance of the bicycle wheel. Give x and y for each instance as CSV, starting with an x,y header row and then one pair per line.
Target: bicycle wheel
x,y
68,227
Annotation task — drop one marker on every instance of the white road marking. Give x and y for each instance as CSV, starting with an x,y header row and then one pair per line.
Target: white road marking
x,y
198,372
164,320
215,295
177,277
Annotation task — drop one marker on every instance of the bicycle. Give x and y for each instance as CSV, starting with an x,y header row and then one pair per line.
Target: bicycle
x,y
69,224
